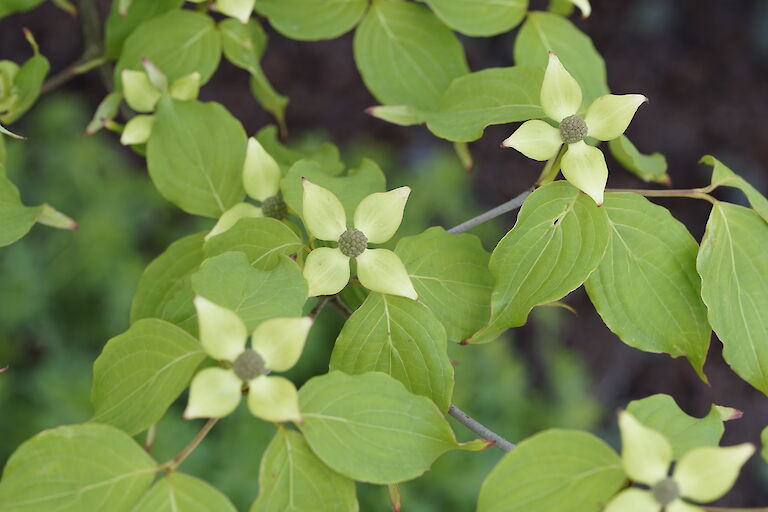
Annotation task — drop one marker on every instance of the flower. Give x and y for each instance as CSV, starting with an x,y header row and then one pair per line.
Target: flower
x,y
376,220
276,345
239,9
261,179
606,119
703,474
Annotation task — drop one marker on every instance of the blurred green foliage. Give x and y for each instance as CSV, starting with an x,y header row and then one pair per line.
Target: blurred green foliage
x,y
64,294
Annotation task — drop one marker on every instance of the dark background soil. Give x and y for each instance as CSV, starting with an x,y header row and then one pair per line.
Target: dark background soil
x,y
702,63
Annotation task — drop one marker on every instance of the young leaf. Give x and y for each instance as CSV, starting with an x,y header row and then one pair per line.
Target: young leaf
x,y
165,289
491,96
178,42
560,237
723,176
243,46
255,295
544,32
263,240
141,372
480,18
349,189
651,167
553,470
28,81
451,276
119,26
734,280
662,414
406,55
15,219
195,156
179,492
399,337
312,20
646,289
369,428
76,468
293,478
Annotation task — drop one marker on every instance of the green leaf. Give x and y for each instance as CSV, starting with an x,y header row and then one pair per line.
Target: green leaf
x,y
177,492
406,55
12,6
559,238
165,288
646,289
401,338
661,413
350,189
553,470
544,32
15,219
312,20
28,81
326,155
651,167
74,469
764,442
195,156
734,280
244,46
119,27
480,18
255,295
178,42
450,274
293,478
491,96
263,240
141,372
723,176
370,428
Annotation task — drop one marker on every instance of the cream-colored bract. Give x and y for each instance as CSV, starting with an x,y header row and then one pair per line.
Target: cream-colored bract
x,y
606,119
279,342
701,475
378,216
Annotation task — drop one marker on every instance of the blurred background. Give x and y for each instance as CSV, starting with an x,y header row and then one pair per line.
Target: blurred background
x,y
703,64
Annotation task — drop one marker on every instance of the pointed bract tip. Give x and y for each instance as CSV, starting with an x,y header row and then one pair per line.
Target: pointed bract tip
x,y
552,54
4,369
489,444
729,413
464,342
371,111
26,31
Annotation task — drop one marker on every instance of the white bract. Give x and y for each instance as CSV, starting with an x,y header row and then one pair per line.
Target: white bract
x,y
584,7
702,475
276,345
261,179
606,119
239,9
376,220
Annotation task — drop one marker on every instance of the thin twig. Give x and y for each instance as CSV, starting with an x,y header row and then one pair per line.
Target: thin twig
x,y
183,454
480,429
319,306
511,205
342,308
150,440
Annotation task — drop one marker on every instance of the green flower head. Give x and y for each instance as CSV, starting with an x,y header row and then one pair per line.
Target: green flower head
x,y
376,220
703,474
606,119
276,345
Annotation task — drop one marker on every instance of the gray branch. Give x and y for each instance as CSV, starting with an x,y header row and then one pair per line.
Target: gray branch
x,y
479,429
512,204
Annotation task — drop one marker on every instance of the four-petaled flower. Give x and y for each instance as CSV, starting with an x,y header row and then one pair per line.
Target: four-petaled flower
x,y
606,119
703,474
376,220
261,179
276,345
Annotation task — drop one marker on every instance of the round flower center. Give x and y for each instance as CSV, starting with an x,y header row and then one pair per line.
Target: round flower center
x,y
666,491
248,365
352,243
274,207
573,129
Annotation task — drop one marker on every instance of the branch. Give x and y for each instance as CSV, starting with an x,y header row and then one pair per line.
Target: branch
x,y
479,429
511,205
175,462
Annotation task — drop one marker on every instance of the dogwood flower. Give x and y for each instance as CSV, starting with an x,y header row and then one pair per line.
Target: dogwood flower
x,y
143,89
376,220
276,345
703,474
606,119
261,179
239,9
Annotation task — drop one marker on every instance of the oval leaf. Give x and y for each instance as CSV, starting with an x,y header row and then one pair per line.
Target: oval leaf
x,y
370,428
480,17
646,289
263,240
177,492
312,20
399,337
